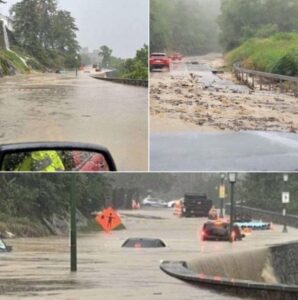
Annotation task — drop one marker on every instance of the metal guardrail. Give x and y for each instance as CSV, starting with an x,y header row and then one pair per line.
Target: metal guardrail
x,y
136,82
249,77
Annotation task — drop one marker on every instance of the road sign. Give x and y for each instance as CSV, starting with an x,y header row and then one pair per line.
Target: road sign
x,y
285,197
108,219
222,192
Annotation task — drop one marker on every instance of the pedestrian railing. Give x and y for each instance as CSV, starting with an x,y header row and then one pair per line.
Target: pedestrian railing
x,y
266,215
136,82
259,79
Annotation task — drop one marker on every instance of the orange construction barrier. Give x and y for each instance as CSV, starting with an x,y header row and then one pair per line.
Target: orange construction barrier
x,y
178,209
135,204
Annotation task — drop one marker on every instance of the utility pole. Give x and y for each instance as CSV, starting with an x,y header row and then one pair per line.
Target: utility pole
x,y
73,226
222,193
232,179
285,198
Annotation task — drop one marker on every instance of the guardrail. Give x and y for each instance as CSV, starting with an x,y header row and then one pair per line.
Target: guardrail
x,y
254,78
266,215
136,82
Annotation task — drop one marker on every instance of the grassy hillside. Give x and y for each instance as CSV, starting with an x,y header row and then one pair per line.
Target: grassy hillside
x,y
276,54
10,63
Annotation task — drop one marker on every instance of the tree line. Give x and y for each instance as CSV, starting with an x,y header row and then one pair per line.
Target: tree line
x,y
241,20
45,32
188,27
34,196
130,68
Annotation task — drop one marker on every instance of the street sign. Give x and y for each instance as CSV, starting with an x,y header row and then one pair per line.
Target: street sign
x,y
222,192
285,197
108,219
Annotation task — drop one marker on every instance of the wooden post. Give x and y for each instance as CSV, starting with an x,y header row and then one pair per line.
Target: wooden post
x,y
261,83
253,81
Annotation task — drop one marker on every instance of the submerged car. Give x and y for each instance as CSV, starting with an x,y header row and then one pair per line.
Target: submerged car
x,y
4,247
220,231
159,61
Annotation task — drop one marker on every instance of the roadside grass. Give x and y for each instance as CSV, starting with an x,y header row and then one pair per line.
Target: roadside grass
x,y
93,226
276,54
16,61
22,226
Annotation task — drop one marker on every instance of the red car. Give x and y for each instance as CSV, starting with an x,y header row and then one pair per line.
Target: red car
x,y
159,61
177,56
84,161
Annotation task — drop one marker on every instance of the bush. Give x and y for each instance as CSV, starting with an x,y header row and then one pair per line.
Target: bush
x,y
276,54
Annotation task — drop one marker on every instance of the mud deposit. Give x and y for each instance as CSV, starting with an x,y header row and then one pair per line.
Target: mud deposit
x,y
191,97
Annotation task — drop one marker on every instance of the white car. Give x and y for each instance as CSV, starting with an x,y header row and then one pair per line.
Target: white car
x,y
154,202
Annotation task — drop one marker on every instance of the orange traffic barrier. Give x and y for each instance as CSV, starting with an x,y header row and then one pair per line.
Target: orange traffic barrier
x,y
178,209
135,204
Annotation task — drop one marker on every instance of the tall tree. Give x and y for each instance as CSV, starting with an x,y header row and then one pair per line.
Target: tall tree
x,y
105,53
45,32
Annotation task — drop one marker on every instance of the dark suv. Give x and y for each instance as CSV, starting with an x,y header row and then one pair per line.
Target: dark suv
x,y
220,231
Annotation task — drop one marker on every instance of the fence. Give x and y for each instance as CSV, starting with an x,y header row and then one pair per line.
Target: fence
x,y
273,81
266,215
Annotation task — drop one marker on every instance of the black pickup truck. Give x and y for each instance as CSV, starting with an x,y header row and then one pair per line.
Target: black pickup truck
x,y
196,205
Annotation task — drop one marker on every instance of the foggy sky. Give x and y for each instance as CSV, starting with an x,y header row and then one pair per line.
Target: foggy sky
x,y
120,24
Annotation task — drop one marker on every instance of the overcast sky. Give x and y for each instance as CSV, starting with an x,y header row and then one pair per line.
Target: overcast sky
x,y
122,25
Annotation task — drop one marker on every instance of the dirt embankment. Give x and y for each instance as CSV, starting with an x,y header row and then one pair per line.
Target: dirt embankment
x,y
190,98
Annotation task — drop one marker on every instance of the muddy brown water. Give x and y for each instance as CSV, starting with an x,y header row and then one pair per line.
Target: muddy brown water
x,y
62,107
38,268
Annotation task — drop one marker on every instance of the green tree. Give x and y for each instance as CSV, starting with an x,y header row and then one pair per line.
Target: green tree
x,y
264,191
105,53
45,32
240,19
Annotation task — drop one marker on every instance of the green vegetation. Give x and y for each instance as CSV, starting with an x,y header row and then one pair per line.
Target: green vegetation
x,y
275,54
261,34
241,20
27,199
45,33
137,67
188,27
264,191
15,60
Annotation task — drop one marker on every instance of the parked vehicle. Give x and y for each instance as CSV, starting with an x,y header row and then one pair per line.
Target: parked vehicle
x,y
159,61
220,231
154,202
195,205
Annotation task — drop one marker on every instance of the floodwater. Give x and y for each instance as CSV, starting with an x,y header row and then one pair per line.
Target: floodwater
x,y
63,107
38,268
217,151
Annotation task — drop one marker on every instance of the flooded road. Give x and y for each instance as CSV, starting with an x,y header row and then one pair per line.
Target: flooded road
x,y
229,151
62,107
38,268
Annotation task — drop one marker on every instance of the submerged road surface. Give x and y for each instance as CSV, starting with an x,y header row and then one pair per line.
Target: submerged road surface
x,y
38,268
216,151
62,107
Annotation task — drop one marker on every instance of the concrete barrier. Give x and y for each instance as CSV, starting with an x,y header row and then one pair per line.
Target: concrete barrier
x,y
280,261
135,82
